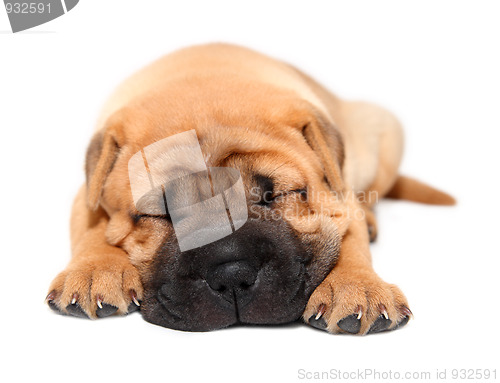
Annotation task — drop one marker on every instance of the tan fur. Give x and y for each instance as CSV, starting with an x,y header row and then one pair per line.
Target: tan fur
x,y
253,113
96,268
413,190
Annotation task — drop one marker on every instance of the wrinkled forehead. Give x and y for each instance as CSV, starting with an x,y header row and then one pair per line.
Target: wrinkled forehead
x,y
280,153
169,158
186,158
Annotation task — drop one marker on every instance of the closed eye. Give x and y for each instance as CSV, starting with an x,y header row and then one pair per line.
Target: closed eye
x,y
301,192
137,217
268,197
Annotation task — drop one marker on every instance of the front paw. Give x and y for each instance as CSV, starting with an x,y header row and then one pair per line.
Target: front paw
x,y
359,305
96,287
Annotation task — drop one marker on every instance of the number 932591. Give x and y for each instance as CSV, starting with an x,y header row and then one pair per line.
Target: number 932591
x,y
27,8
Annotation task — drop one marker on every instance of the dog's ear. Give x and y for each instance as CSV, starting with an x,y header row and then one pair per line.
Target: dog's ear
x,y
324,138
101,156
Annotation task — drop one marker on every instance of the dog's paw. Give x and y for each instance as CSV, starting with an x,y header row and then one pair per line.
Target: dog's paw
x,y
357,306
96,288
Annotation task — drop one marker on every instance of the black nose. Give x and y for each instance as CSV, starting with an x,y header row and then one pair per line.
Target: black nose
x,y
232,276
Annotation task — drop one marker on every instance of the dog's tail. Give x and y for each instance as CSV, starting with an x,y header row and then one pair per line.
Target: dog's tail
x,y
416,191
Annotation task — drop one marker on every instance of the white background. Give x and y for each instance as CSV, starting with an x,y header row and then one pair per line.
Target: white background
x,y
435,64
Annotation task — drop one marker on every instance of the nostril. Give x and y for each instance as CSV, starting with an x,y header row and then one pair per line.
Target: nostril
x,y
245,285
232,275
221,289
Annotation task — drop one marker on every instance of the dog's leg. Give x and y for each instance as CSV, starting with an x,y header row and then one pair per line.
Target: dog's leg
x,y
352,298
99,280
374,148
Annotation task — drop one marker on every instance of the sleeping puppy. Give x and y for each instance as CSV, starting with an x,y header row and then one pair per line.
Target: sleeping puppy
x,y
308,169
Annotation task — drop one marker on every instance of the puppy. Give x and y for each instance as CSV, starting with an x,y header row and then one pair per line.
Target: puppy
x,y
309,168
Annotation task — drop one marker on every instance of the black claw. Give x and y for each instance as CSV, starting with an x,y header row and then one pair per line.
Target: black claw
x,y
53,306
50,301
380,324
132,308
106,310
76,311
403,322
350,324
371,234
317,323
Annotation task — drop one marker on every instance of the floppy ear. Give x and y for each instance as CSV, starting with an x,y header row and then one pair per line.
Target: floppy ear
x,y
101,155
324,138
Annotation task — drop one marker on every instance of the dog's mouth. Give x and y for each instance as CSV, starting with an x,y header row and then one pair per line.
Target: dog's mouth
x,y
246,278
204,305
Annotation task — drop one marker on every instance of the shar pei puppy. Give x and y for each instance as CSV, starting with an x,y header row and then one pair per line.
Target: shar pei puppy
x,y
225,187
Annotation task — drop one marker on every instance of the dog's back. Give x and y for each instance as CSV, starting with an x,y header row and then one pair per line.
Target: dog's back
x,y
222,61
372,137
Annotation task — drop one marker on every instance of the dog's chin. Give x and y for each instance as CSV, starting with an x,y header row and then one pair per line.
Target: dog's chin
x,y
199,308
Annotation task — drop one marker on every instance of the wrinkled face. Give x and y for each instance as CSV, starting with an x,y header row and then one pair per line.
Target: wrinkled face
x,y
261,273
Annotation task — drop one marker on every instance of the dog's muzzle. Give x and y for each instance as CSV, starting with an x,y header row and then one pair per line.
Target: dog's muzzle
x,y
257,275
